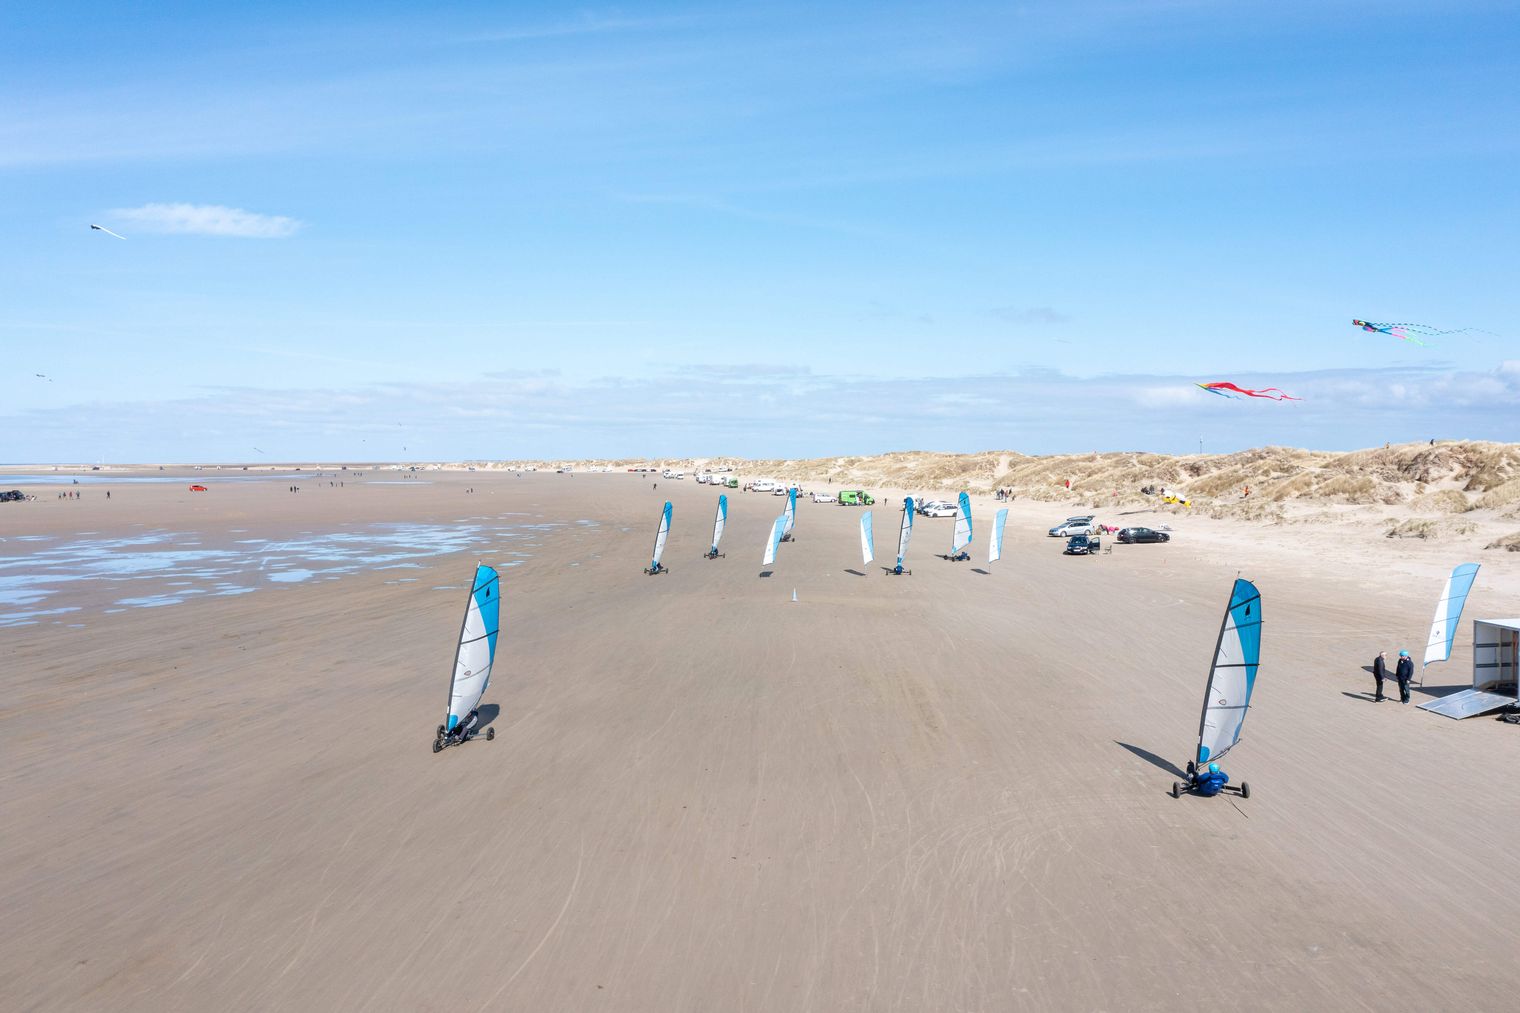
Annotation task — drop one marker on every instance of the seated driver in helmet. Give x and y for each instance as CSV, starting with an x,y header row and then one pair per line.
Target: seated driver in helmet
x,y
1210,781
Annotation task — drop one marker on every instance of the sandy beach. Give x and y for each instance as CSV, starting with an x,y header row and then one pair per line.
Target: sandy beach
x,y
939,792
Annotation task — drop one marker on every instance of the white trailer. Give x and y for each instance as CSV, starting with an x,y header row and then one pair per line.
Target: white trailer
x,y
1496,665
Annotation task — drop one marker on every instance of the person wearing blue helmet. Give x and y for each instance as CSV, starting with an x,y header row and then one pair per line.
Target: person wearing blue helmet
x,y
1404,672
1210,781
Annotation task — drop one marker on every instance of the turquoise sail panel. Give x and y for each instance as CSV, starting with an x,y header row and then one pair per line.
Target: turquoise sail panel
x,y
475,655
1449,613
1232,677
906,534
771,543
661,533
720,521
962,523
867,541
791,510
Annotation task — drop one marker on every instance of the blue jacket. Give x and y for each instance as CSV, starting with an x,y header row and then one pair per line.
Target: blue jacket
x,y
1210,784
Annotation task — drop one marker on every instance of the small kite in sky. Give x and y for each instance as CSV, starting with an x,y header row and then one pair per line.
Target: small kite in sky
x,y
102,228
1412,332
43,376
1225,389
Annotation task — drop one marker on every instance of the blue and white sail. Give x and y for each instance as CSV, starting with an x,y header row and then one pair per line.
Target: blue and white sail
x,y
476,652
661,533
867,542
777,530
1232,677
907,530
790,513
1449,613
962,523
995,545
719,521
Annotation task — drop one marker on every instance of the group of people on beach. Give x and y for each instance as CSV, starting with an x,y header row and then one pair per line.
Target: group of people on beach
x,y
1403,672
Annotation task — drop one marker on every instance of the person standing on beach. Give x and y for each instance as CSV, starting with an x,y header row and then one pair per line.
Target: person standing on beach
x,y
1380,672
1404,672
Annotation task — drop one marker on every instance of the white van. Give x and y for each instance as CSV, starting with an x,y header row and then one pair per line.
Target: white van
x,y
764,485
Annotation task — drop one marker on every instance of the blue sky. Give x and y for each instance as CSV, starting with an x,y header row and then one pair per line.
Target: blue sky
x,y
509,230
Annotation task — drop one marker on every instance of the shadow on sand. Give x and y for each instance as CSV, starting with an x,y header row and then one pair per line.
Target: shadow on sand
x,y
856,573
1437,691
488,712
984,573
1153,759
766,573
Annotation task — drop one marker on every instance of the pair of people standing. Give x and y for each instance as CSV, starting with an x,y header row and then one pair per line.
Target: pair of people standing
x,y
1403,672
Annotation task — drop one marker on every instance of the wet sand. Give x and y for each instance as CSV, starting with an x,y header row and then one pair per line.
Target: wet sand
x,y
944,791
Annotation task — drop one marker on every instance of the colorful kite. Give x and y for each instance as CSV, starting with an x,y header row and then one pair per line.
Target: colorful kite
x,y
1229,390
1412,332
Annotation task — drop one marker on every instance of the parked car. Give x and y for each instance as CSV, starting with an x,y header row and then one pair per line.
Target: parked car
x,y
1082,545
763,485
1136,535
197,488
730,483
780,490
823,497
1074,526
939,508
855,497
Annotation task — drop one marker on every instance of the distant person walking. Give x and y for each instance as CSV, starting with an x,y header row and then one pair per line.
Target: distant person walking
x,y
1379,673
1404,672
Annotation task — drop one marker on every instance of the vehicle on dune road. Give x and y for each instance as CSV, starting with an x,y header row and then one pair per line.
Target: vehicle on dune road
x,y
1082,524
1135,536
1082,545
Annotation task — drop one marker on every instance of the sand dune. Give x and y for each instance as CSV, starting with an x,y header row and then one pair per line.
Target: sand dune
x,y
1463,494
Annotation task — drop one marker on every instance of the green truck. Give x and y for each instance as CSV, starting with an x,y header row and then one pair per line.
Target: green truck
x,y
855,497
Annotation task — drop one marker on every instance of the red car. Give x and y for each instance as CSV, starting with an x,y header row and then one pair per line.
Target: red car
x,y
197,488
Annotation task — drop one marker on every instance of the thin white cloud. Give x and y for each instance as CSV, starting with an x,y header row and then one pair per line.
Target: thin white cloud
x,y
1030,314
207,220
764,411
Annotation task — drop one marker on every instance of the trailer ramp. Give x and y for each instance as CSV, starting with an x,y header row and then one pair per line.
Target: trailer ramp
x,y
1469,703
